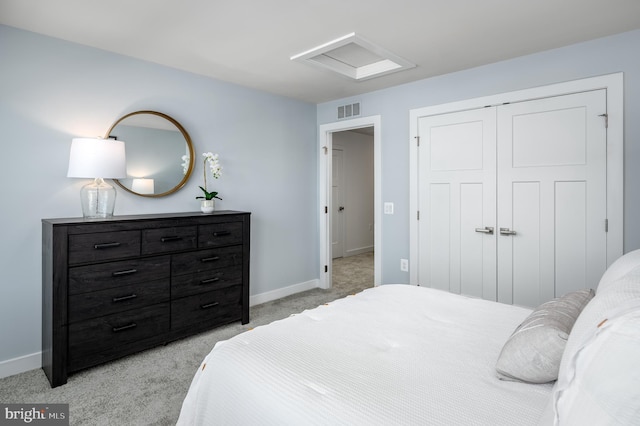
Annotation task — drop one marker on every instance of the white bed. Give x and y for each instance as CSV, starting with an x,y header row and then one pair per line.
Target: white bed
x,y
404,355
391,355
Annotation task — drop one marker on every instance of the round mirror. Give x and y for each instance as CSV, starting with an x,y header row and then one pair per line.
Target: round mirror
x,y
158,150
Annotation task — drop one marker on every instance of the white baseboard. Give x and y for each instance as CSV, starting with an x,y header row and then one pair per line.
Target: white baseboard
x,y
357,251
21,364
257,299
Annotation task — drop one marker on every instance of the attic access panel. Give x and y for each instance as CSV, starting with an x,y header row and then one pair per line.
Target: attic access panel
x,y
354,57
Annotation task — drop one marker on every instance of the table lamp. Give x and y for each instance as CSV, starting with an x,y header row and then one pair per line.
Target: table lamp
x,y
98,159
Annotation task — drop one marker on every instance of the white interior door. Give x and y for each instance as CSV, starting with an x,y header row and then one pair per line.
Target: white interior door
x,y
337,205
457,179
551,197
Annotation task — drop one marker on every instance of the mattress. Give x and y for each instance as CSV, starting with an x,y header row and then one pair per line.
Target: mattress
x,y
394,354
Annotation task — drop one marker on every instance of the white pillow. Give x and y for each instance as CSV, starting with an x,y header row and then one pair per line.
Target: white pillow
x,y
623,265
533,352
617,298
604,376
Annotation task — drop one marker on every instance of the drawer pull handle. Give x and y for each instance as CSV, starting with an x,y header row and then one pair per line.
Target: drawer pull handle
x,y
105,245
209,305
170,239
221,233
126,272
209,280
123,298
124,327
210,259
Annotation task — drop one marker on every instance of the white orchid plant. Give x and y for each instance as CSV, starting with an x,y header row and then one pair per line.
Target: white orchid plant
x,y
215,169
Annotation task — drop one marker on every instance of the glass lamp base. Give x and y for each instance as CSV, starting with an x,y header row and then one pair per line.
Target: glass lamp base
x,y
98,199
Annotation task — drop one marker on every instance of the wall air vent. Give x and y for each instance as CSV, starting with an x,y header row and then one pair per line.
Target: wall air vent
x,y
354,57
348,111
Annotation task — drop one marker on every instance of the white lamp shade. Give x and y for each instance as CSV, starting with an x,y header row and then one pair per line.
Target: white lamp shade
x,y
142,186
97,158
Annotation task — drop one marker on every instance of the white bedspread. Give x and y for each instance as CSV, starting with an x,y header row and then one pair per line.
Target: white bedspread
x,y
391,355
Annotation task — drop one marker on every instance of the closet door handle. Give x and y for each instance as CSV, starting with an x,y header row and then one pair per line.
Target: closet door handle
x,y
507,231
485,230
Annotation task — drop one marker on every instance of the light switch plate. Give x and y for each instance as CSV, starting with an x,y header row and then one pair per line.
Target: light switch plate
x,y
388,208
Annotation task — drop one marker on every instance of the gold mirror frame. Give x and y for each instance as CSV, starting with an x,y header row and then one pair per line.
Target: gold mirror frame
x,y
187,140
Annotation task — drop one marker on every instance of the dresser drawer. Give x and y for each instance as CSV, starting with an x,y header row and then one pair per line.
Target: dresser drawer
x,y
106,302
206,309
89,278
99,334
101,246
165,240
219,234
206,260
201,282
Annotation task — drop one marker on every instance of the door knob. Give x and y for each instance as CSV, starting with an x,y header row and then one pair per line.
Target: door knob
x,y
485,230
340,208
507,231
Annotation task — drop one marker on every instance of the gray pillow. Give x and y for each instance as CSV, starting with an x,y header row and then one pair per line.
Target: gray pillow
x,y
533,352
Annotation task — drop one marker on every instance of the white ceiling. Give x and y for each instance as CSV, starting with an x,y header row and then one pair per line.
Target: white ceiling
x,y
249,42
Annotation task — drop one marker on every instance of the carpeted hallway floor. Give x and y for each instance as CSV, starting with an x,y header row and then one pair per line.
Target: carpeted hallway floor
x,y
148,388
354,272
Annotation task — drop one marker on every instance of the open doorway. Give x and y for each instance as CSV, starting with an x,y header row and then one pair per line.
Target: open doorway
x,y
352,210
350,248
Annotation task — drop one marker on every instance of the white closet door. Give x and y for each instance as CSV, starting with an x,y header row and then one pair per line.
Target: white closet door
x,y
551,197
457,164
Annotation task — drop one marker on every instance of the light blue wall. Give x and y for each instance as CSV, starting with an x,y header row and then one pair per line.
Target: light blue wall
x,y
52,91
598,57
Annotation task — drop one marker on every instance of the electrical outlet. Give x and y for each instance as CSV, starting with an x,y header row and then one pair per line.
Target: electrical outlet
x,y
404,265
388,208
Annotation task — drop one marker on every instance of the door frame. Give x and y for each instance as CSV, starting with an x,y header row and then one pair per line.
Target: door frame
x,y
613,83
325,146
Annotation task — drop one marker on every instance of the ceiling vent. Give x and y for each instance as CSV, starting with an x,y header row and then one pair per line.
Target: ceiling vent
x,y
348,111
354,57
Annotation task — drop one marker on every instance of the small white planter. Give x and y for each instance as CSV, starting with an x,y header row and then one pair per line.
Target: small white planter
x,y
207,206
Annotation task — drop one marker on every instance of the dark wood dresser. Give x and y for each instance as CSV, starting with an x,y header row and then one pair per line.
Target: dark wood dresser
x,y
117,286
